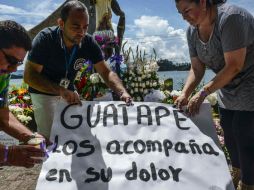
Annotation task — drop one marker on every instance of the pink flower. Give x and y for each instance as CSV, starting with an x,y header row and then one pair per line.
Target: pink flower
x,y
98,38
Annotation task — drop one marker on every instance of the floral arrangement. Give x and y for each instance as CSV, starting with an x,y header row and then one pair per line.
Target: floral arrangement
x,y
106,38
20,104
171,96
90,85
141,76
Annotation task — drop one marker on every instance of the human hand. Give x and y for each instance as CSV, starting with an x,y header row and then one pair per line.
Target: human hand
x,y
25,137
124,96
194,104
70,96
181,101
41,138
24,155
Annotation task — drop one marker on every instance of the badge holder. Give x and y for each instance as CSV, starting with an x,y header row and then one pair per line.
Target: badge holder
x,y
64,83
78,76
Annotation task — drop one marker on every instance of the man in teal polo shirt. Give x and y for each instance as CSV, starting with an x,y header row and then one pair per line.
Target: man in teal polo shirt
x,y
14,43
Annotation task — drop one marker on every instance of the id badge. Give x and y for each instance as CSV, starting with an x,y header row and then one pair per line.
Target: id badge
x,y
64,82
78,76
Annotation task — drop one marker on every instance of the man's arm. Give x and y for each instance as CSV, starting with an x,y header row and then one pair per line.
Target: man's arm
x,y
112,81
10,125
33,77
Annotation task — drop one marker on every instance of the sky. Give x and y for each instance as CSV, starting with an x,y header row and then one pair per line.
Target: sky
x,y
149,23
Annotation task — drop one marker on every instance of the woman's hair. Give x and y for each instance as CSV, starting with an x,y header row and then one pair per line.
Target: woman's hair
x,y
209,3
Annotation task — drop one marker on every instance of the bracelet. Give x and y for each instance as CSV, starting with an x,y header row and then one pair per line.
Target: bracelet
x,y
207,90
5,153
203,93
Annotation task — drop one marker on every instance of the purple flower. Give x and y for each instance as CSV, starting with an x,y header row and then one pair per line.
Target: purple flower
x,y
98,38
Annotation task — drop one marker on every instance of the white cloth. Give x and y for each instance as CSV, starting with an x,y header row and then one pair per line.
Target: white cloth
x,y
155,96
44,106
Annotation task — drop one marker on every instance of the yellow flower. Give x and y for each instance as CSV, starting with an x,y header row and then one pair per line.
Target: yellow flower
x,y
22,91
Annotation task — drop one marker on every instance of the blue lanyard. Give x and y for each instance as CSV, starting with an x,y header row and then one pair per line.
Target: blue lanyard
x,y
68,62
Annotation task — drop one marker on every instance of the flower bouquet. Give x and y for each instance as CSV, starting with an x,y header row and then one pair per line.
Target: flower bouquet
x,y
90,85
106,38
20,104
141,77
107,41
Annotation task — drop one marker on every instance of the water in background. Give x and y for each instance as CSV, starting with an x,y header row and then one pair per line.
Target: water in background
x,y
16,82
179,78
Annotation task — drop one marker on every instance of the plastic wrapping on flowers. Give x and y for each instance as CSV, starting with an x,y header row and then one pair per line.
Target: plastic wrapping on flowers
x,y
20,104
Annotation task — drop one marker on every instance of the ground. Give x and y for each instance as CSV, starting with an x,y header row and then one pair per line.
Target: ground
x,y
19,178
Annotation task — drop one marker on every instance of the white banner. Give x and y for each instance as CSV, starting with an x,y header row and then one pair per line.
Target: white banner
x,y
151,146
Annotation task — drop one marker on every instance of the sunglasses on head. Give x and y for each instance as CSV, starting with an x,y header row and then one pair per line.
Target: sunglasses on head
x,y
11,60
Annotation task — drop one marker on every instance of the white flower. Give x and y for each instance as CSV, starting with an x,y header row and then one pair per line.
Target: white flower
x,y
147,83
148,75
155,84
145,91
26,97
167,93
16,109
131,91
139,79
132,84
23,118
12,107
175,93
154,66
161,82
143,85
135,89
212,98
95,78
147,69
12,99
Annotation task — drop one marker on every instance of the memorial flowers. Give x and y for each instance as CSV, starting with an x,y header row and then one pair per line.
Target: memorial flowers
x,y
141,76
20,104
90,85
106,38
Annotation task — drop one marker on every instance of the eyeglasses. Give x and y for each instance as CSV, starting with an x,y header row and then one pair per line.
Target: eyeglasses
x,y
11,60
